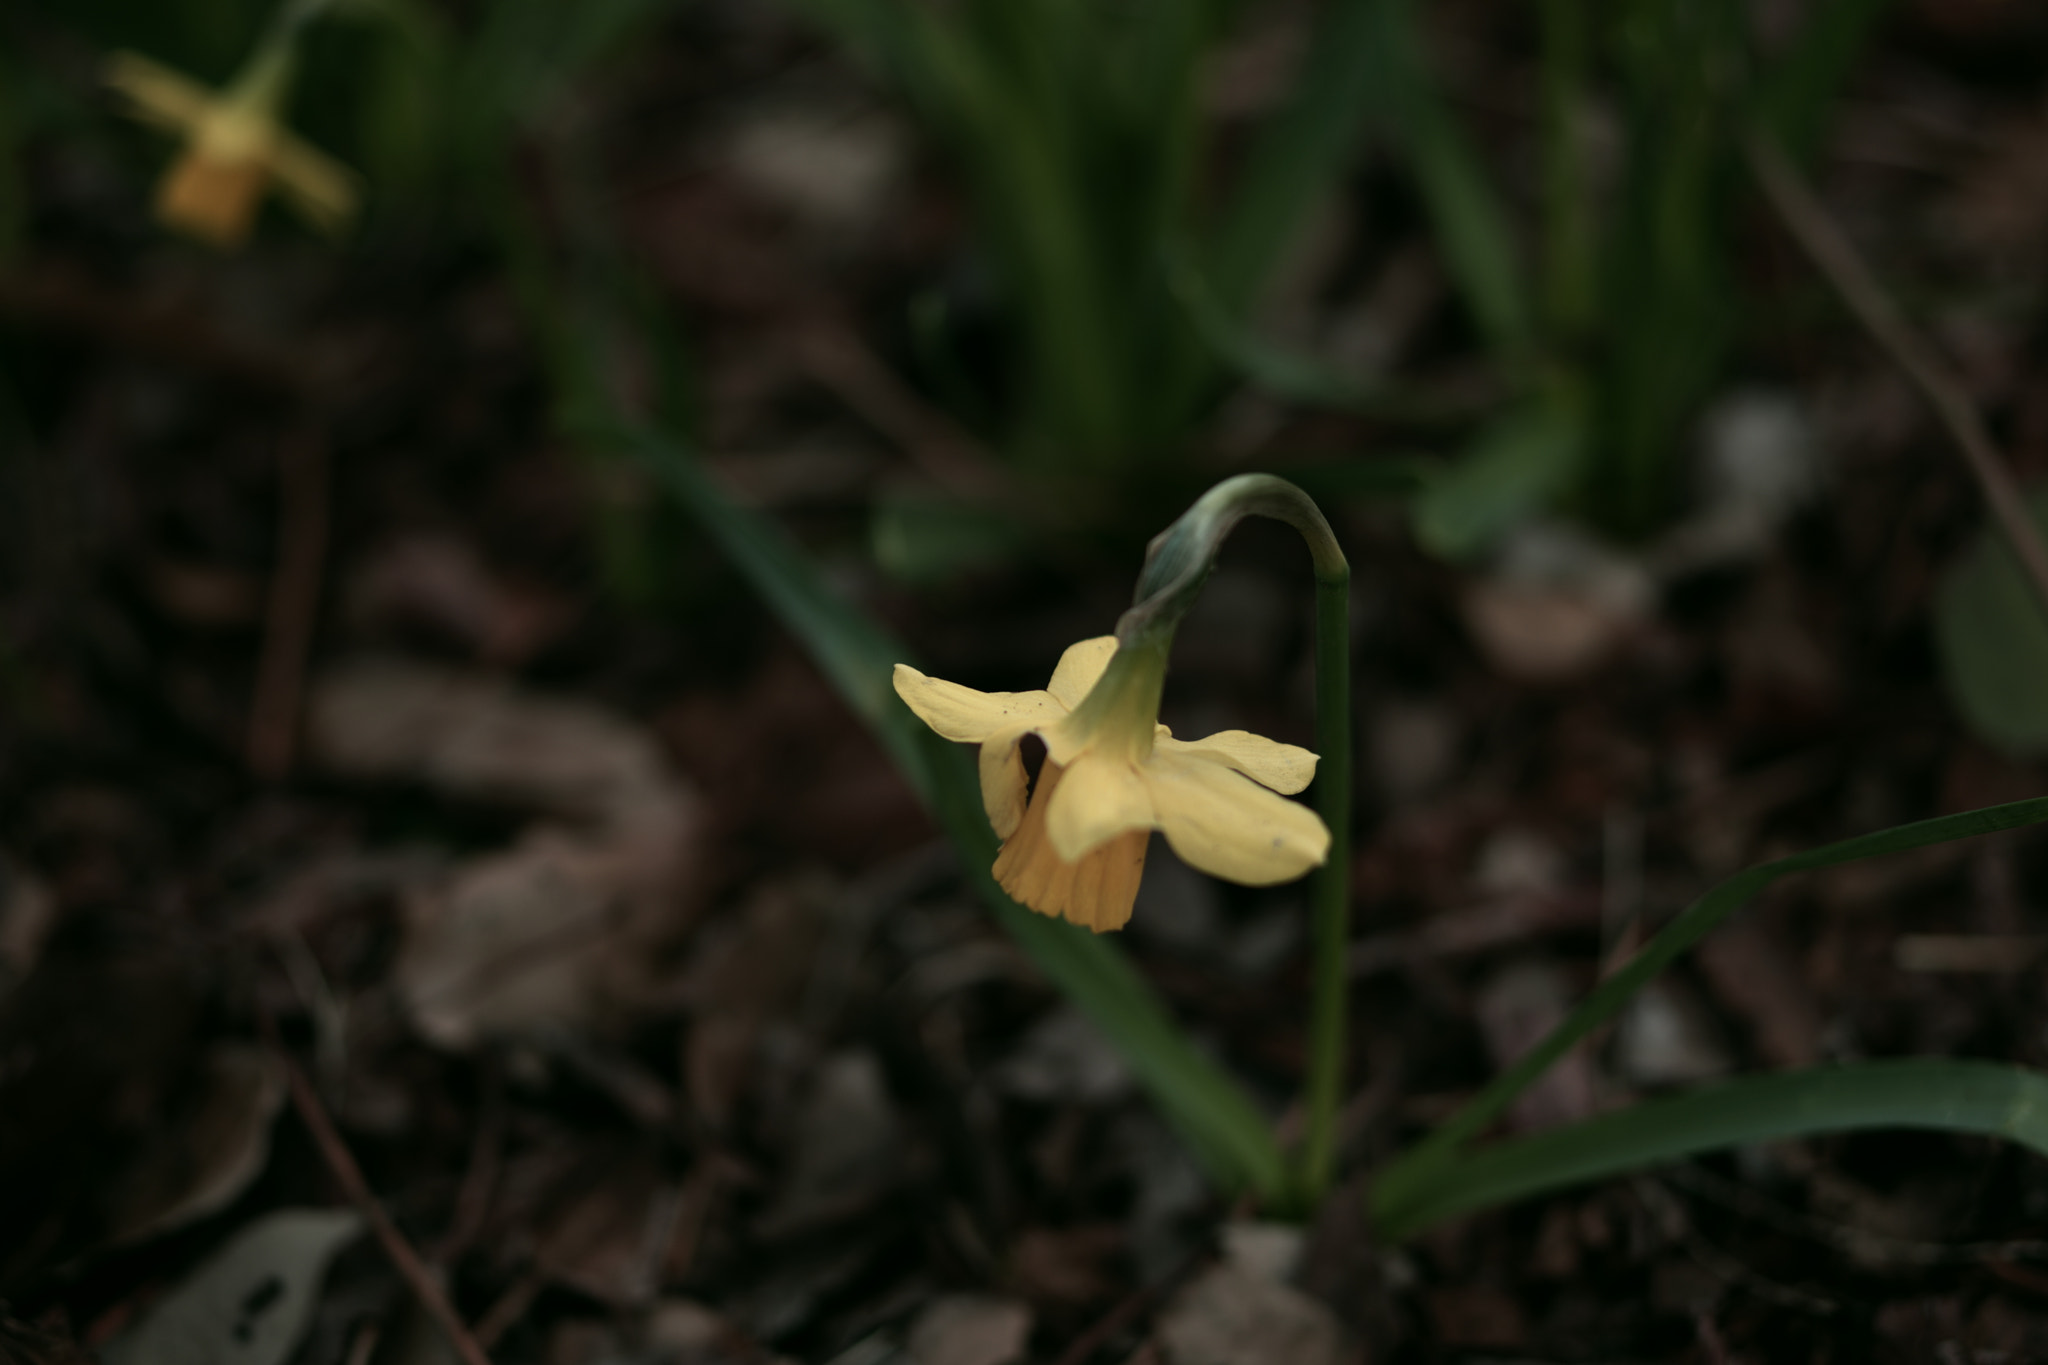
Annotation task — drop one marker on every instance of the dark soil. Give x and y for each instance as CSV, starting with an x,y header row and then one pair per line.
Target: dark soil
x,y
777,1085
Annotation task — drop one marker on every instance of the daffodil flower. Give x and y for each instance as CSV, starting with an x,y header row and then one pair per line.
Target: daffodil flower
x,y
1074,844
234,148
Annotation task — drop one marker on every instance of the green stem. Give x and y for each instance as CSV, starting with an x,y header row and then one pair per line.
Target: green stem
x,y
1332,895
1176,565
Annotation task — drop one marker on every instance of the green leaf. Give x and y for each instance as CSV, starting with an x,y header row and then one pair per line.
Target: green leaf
x,y
1296,378
1952,1096
1571,240
1211,1111
1993,640
1516,466
1471,222
1299,155
919,536
1075,128
1669,290
1422,1173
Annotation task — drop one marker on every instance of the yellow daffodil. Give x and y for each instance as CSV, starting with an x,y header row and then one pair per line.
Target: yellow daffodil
x,y
234,148
1074,845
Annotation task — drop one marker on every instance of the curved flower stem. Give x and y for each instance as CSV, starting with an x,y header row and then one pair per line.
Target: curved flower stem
x,y
1177,563
1331,898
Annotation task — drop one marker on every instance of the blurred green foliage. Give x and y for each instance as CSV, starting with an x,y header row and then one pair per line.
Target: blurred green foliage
x,y
1078,130
1993,640
1124,268
1616,324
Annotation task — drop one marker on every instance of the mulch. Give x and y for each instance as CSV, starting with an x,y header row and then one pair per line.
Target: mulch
x,y
375,757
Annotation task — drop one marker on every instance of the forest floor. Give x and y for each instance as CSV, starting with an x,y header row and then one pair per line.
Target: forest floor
x,y
354,772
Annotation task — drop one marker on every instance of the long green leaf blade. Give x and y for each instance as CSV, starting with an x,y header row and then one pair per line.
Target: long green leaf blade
x,y
1471,222
1277,370
1425,1165
1951,1096
1299,155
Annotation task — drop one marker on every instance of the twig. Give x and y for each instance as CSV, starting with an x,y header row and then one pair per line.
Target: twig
x,y
294,601
350,1177
1672,1219
1837,258
1127,1312
511,1306
480,1180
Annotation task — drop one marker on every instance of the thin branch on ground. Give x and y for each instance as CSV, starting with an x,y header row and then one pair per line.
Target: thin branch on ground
x,y
511,1306
342,1164
1831,250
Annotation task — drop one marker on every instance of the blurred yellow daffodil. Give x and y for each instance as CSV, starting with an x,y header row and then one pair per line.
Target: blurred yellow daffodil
x,y
234,148
1074,844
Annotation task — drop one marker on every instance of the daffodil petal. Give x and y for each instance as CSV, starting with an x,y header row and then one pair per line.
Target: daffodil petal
x,y
1065,742
1003,781
1283,767
1223,823
156,94
967,716
318,186
1080,668
1099,797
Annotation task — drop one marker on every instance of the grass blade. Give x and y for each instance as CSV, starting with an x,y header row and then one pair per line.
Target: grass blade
x,y
1277,370
1423,1167
1571,246
1514,466
1471,222
1211,1111
1670,281
1299,155
1953,1096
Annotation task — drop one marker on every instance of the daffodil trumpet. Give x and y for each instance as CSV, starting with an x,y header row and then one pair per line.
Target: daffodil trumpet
x,y
234,142
1074,840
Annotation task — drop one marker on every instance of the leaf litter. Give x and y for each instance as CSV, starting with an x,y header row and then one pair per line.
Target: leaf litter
x,y
628,969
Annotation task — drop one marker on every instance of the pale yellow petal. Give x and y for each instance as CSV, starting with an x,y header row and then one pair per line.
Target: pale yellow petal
x,y
1100,796
156,94
317,185
1003,780
1065,742
1223,823
1283,767
1080,668
967,716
